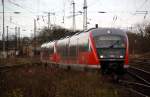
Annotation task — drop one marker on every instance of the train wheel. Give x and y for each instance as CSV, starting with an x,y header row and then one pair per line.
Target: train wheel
x,y
68,68
85,69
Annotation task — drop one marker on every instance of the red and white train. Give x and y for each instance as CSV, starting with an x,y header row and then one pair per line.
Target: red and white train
x,y
104,48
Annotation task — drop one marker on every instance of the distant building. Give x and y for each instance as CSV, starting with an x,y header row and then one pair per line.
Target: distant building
x,y
23,47
10,48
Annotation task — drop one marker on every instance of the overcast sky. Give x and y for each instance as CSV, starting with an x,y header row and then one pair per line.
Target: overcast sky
x,y
120,13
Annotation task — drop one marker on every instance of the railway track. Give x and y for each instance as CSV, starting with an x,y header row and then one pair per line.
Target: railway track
x,y
141,83
140,74
141,61
137,88
142,65
140,69
5,68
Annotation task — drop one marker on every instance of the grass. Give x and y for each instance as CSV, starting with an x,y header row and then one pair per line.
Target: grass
x,y
40,81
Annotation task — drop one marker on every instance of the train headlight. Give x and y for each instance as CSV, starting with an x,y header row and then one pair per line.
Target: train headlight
x,y
101,56
121,56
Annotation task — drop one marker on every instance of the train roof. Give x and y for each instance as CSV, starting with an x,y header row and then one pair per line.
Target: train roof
x,y
95,32
111,31
47,44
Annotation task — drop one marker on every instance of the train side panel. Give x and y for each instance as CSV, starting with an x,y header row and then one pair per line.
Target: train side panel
x,y
76,50
126,63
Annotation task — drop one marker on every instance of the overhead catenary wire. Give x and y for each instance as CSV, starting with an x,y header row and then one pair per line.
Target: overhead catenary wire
x,y
18,5
33,13
64,9
141,6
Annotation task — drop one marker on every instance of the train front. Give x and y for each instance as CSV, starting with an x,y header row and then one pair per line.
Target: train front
x,y
112,49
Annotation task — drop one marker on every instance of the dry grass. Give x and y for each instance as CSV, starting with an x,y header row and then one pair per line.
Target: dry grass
x,y
53,82
19,61
41,81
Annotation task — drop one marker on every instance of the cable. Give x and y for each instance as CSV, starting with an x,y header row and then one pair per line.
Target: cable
x,y
142,5
16,4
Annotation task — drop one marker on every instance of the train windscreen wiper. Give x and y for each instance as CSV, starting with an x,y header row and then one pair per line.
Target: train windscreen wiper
x,y
111,46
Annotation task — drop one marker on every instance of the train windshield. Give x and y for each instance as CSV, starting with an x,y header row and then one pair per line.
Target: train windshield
x,y
109,41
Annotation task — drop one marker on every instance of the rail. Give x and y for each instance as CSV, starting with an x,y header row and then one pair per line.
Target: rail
x,y
141,83
138,88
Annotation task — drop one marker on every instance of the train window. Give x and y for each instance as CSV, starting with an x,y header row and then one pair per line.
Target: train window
x,y
62,48
109,41
83,43
51,50
73,46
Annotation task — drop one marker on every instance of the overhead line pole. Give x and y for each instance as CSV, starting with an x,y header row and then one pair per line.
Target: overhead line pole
x,y
19,39
48,20
16,40
85,15
7,41
73,22
34,36
3,34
